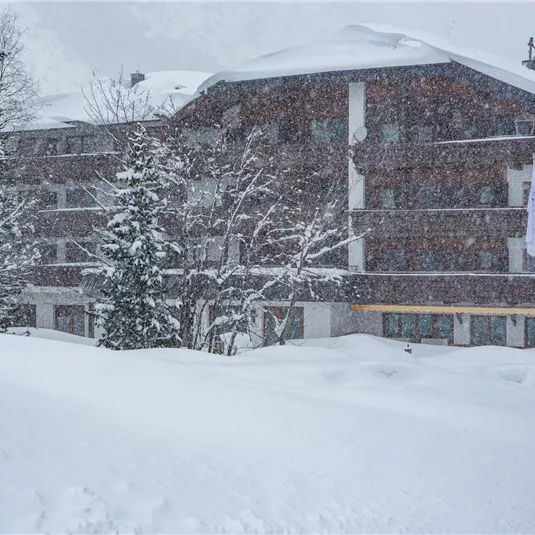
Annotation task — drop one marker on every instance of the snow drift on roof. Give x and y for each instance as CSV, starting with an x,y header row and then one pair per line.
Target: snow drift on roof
x,y
62,108
369,46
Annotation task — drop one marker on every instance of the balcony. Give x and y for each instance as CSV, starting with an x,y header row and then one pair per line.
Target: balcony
x,y
448,288
508,222
369,155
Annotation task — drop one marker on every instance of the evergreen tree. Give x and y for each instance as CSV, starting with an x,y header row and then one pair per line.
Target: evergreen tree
x,y
132,309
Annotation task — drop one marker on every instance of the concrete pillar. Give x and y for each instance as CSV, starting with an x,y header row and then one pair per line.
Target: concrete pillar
x,y
44,315
356,184
461,329
516,248
515,330
515,180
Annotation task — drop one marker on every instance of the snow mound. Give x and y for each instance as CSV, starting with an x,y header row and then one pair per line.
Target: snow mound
x,y
351,435
50,334
372,46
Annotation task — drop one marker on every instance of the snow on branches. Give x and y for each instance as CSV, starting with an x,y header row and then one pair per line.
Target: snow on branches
x,y
132,309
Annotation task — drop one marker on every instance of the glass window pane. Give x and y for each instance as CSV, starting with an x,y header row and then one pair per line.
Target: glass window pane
x,y
391,323
444,326
486,195
530,332
320,130
408,326
80,198
485,259
425,133
480,330
428,197
339,129
294,325
427,261
393,261
425,325
388,198
390,132
498,330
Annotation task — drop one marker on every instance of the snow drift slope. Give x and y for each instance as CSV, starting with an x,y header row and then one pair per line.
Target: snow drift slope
x,y
276,440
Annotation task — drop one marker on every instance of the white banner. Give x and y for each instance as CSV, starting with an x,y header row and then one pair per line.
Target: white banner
x,y
530,233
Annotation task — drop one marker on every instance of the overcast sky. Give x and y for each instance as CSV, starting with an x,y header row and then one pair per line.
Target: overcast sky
x,y
67,40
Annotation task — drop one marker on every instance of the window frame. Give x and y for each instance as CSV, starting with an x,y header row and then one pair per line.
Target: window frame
x,y
527,320
418,336
71,309
489,330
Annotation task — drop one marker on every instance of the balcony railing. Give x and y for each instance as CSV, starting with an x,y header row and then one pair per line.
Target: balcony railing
x,y
509,222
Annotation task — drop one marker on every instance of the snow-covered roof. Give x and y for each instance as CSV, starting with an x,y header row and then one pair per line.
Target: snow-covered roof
x,y
369,46
60,109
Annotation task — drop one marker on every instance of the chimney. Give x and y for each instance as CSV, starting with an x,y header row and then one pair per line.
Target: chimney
x,y
530,62
136,77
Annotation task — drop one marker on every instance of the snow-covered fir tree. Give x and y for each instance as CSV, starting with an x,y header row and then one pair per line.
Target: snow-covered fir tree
x,y
132,309
18,253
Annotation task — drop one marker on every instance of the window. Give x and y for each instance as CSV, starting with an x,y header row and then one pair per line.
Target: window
x,y
28,146
79,198
429,197
339,129
320,130
416,327
70,319
49,146
488,330
492,261
471,131
486,195
85,144
525,127
273,316
388,198
428,261
506,126
75,255
329,129
394,261
25,316
425,133
530,332
486,259
390,132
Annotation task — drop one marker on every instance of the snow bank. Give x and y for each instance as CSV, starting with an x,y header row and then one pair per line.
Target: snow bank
x,y
351,435
50,334
372,46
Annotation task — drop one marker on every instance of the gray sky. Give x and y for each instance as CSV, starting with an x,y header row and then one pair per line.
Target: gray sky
x,y
69,39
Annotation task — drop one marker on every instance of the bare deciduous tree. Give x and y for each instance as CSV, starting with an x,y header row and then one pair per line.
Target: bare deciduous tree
x,y
18,88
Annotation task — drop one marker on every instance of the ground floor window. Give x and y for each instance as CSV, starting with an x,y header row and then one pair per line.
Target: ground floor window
x,y
273,316
530,332
415,327
70,319
488,330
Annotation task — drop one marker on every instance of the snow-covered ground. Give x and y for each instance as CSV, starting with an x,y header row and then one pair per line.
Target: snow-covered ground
x,y
344,435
